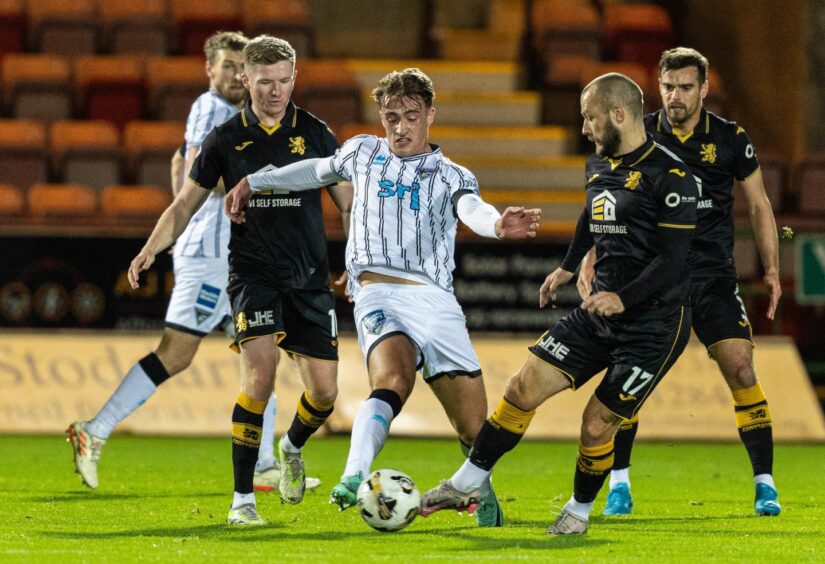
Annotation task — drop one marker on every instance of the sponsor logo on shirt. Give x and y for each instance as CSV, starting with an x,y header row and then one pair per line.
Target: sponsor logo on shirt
x,y
243,145
374,321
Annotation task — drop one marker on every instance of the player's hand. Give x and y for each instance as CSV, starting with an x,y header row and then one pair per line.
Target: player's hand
x,y
142,262
547,292
775,290
587,273
342,281
518,223
603,303
236,200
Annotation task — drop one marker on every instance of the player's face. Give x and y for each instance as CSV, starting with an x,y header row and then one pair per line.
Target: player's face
x,y
225,75
407,123
599,128
270,87
682,94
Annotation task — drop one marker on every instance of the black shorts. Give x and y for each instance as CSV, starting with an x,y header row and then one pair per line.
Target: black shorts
x,y
718,311
303,321
636,354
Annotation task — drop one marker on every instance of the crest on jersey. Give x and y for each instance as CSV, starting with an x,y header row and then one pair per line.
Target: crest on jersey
x,y
374,321
632,181
241,323
297,145
708,153
604,207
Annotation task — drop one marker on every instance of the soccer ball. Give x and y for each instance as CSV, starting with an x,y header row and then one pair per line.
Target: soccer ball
x,y
388,500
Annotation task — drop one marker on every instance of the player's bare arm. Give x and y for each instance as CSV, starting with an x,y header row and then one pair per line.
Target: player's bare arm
x,y
168,228
547,292
587,272
603,303
764,228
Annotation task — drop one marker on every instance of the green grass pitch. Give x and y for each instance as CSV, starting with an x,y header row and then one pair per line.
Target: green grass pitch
x,y
166,499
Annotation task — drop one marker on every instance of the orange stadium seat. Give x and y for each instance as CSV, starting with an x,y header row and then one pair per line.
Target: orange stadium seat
x,y
717,98
149,146
636,32
194,21
812,184
174,84
333,222
66,27
287,19
330,90
23,152
134,26
12,26
774,176
67,200
11,200
560,96
350,130
563,28
37,86
110,87
134,201
86,152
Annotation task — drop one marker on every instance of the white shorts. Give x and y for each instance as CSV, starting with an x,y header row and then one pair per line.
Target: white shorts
x,y
430,316
199,301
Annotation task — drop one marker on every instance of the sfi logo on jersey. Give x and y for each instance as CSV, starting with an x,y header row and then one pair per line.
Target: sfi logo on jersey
x,y
604,207
240,322
632,181
374,321
708,153
297,145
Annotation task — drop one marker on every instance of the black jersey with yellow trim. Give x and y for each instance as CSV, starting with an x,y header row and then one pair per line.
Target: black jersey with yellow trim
x,y
717,151
283,238
629,199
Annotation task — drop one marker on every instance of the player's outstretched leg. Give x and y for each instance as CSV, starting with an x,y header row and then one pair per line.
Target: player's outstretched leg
x,y
619,499
489,512
87,449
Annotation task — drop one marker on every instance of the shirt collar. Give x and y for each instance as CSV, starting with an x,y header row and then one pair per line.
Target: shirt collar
x,y
702,126
289,120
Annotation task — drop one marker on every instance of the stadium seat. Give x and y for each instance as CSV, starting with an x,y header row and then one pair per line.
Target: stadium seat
x,y
12,26
110,87
563,28
12,202
134,26
134,201
561,93
287,19
330,90
193,21
333,223
350,130
774,176
717,99
637,33
67,200
174,84
23,152
812,184
65,27
86,152
37,86
149,146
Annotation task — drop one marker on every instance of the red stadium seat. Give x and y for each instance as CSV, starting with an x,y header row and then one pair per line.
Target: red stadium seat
x,y
12,26
287,19
37,86
66,200
149,146
174,84
65,27
110,87
134,201
812,184
86,152
637,33
23,152
194,21
134,26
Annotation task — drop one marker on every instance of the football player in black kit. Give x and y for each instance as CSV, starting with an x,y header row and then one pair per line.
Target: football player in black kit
x,y
278,272
716,151
640,214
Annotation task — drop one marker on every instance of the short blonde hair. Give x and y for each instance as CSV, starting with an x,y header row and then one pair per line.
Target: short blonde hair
x,y
267,50
232,40
408,83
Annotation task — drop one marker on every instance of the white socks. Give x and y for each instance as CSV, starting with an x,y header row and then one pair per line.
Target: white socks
x,y
133,391
470,477
287,445
764,479
243,499
579,509
369,432
619,476
266,452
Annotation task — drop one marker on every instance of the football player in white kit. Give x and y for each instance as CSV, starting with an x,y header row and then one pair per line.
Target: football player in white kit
x,y
199,302
407,202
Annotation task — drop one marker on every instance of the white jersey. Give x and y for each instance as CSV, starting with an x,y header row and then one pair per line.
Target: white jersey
x,y
207,234
403,213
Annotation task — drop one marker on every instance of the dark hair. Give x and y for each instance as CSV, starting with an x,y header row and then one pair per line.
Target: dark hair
x,y
232,40
683,57
615,89
408,83
267,50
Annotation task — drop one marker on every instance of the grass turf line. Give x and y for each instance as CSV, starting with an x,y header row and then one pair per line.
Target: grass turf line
x,y
166,499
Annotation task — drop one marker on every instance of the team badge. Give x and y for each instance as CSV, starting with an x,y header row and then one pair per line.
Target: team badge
x,y
241,323
632,181
708,153
604,207
297,145
374,321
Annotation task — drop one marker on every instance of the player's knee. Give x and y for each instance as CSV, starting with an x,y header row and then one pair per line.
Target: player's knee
x,y
740,375
325,393
516,391
175,360
597,430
